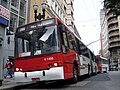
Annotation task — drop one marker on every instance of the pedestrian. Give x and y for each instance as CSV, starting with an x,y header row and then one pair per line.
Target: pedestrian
x,y
9,68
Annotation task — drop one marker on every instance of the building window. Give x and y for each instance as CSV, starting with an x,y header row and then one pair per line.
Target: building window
x,y
22,8
65,0
64,8
15,3
71,3
118,52
13,22
59,12
61,15
72,23
114,52
56,8
5,3
53,5
21,21
71,13
66,20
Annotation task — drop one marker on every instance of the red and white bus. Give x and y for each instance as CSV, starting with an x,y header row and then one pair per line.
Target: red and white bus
x,y
98,59
47,50
103,64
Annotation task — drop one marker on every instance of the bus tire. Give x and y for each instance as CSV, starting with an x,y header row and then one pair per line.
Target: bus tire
x,y
95,70
75,74
89,73
0,82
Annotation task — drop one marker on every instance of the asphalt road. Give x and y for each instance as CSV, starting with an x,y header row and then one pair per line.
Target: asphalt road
x,y
102,81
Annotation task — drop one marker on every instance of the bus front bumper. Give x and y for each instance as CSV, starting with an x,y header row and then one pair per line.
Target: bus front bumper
x,y
44,75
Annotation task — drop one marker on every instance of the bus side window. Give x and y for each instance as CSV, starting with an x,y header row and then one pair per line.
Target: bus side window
x,y
64,41
72,42
84,50
78,46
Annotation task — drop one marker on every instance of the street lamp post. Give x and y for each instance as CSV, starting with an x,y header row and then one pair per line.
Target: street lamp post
x,y
39,16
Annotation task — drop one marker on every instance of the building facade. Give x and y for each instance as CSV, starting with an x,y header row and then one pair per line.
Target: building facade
x,y
17,10
63,9
113,26
18,17
4,22
104,34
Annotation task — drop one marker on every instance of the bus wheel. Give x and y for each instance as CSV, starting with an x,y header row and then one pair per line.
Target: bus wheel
x,y
89,73
75,74
95,70
0,83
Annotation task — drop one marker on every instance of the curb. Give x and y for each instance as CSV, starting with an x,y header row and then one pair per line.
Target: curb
x,y
14,84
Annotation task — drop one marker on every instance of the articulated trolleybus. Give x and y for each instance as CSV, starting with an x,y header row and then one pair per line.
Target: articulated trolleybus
x,y
47,50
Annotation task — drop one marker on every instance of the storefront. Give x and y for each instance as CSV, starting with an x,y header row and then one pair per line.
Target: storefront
x,y
4,22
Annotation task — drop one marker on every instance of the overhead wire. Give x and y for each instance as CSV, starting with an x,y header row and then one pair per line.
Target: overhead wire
x,y
87,8
89,13
94,8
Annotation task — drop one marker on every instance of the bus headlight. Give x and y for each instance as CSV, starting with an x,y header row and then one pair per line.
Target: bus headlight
x,y
20,69
17,69
55,64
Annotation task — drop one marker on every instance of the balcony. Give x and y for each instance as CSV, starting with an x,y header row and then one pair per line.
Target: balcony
x,y
108,10
114,46
64,3
114,34
70,7
112,22
111,15
113,28
70,17
114,40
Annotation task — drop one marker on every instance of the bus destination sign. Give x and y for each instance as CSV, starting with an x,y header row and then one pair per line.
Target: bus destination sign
x,y
36,25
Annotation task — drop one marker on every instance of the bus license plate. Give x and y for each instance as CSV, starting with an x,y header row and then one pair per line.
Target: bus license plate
x,y
35,79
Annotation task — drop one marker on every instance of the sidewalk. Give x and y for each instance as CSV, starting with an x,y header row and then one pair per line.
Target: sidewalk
x,y
10,83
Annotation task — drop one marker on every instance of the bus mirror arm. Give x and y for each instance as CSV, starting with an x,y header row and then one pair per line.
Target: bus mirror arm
x,y
66,49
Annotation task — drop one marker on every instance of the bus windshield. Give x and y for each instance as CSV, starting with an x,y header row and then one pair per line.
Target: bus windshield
x,y
35,42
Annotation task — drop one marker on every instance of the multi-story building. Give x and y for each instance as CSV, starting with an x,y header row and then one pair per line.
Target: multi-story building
x,y
113,35
13,13
63,9
104,34
4,22
18,17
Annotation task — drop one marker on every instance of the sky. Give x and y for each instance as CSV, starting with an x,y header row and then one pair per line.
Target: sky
x,y
87,21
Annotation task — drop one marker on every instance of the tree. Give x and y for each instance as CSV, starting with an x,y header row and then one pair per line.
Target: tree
x,y
114,5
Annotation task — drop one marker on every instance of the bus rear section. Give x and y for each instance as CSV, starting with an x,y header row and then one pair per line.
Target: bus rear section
x,y
104,68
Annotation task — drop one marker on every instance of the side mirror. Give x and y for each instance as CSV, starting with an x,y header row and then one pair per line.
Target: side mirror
x,y
66,48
